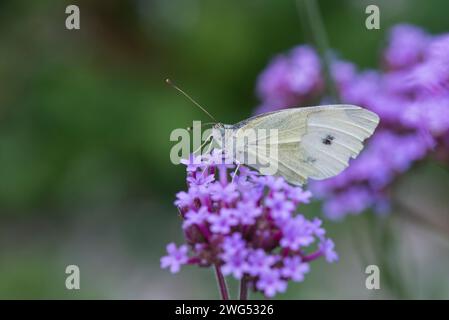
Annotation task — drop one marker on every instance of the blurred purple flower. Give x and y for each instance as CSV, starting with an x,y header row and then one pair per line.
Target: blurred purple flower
x,y
411,96
226,193
406,46
295,269
259,262
327,247
222,223
193,163
298,195
290,79
271,282
281,208
296,233
235,264
233,244
175,258
193,217
247,212
185,199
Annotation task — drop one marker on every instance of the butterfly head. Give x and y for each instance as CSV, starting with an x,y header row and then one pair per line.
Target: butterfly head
x,y
218,127
218,132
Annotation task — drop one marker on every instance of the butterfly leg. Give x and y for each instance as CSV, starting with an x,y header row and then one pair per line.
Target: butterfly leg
x,y
209,147
236,169
203,144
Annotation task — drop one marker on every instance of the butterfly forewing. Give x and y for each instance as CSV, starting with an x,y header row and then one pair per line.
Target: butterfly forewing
x,y
312,142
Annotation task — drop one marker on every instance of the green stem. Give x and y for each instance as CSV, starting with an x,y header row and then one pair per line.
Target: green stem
x,y
310,12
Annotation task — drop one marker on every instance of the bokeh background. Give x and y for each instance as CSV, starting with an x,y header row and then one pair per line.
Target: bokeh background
x,y
85,119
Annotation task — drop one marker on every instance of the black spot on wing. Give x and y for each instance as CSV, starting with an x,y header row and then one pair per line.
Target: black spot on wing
x,y
328,140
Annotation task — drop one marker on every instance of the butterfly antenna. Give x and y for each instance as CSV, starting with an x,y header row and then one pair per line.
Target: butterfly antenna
x,y
168,81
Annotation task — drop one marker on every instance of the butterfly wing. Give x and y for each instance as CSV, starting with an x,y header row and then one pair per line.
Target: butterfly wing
x,y
312,142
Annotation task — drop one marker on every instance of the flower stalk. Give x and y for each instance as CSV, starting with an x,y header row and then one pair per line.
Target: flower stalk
x,y
221,283
244,289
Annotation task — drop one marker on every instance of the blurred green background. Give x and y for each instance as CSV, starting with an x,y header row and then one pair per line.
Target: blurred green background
x,y
85,119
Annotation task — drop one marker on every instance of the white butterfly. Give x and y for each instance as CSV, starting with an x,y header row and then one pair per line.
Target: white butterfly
x,y
312,142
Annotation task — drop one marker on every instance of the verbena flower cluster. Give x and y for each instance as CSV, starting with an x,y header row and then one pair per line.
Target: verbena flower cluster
x,y
410,93
246,225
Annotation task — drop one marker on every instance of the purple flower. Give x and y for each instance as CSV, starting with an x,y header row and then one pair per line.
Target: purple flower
x,y
185,199
343,72
226,193
259,262
294,268
431,113
316,229
247,212
363,89
176,257
200,178
297,195
281,208
406,46
410,93
271,283
193,163
353,200
274,183
289,78
222,223
245,225
296,233
235,264
327,247
233,243
195,217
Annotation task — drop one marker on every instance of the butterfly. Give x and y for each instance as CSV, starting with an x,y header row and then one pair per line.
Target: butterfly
x,y
309,142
